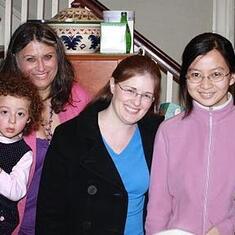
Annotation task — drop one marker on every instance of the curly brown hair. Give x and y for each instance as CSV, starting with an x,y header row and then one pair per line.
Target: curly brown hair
x,y
18,86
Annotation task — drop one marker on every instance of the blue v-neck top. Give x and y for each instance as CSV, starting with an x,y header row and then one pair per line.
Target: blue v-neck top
x,y
133,170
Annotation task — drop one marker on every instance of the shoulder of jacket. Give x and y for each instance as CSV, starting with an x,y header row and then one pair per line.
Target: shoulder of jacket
x,y
175,122
151,120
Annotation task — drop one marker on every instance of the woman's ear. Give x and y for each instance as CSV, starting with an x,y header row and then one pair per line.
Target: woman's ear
x,y
111,85
232,79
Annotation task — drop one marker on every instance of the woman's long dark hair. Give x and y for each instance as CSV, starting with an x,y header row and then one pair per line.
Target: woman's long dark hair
x,y
60,93
201,45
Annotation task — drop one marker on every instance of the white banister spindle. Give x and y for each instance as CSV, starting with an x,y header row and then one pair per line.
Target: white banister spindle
x,y
69,3
169,87
223,18
24,11
54,7
40,9
8,23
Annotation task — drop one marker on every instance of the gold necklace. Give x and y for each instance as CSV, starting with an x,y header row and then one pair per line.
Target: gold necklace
x,y
47,126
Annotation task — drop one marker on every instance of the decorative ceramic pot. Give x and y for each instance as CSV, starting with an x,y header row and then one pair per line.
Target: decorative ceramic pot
x,y
78,28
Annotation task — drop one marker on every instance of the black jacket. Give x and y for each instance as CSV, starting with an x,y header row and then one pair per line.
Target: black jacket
x,y
81,192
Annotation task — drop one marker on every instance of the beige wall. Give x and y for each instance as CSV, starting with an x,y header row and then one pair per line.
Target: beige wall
x,y
169,24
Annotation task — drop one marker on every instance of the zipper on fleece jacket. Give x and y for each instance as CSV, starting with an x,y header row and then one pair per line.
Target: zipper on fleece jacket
x,y
207,175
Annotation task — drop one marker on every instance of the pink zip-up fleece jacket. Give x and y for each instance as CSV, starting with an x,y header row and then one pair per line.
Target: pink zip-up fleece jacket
x,y
79,100
192,184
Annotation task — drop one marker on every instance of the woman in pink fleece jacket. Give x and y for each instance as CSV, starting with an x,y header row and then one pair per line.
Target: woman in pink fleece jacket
x,y
37,52
192,185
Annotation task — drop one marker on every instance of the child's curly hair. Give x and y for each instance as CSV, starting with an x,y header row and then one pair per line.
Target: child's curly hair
x,y
19,86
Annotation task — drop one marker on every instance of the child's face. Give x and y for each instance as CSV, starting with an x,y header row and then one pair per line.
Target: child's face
x,y
14,115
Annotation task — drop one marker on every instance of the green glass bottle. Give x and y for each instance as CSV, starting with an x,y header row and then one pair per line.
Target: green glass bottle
x,y
128,32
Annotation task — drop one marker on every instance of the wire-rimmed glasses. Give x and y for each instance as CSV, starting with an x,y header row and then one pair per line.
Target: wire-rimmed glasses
x,y
132,93
197,77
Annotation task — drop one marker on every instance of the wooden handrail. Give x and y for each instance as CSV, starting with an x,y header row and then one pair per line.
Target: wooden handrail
x,y
165,62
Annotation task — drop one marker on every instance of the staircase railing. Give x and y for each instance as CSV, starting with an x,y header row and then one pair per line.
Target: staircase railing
x,y
166,63
142,45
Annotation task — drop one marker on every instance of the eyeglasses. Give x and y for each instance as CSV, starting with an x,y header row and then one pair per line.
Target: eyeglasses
x,y
132,93
196,77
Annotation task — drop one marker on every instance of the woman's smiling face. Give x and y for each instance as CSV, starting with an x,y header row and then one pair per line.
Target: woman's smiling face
x,y
39,62
207,92
130,108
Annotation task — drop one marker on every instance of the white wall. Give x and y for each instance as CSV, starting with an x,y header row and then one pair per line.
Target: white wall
x,y
169,24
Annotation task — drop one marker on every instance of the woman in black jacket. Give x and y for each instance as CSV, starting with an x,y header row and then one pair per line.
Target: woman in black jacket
x,y
96,172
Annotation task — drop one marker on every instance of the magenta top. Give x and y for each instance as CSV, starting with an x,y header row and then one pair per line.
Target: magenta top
x,y
28,223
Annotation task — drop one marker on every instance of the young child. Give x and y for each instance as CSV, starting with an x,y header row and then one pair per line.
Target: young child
x,y
20,112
